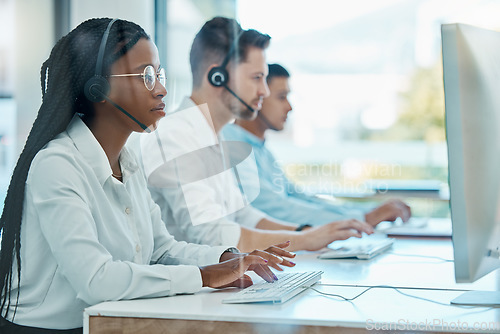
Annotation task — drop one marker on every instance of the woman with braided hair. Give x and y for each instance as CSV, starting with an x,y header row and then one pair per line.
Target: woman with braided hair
x,y
78,225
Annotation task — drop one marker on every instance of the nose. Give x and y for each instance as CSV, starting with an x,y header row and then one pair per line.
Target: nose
x,y
159,89
264,89
288,106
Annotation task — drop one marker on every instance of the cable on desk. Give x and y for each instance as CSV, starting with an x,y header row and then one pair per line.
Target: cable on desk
x,y
339,296
397,289
422,256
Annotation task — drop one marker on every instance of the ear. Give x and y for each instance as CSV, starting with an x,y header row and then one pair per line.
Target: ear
x,y
211,67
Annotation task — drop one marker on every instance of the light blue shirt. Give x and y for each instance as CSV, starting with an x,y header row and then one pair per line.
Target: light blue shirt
x,y
278,197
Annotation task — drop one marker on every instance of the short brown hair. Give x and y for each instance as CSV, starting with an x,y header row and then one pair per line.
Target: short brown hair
x,y
214,40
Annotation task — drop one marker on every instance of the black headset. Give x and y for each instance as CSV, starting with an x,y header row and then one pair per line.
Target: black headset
x,y
97,87
218,76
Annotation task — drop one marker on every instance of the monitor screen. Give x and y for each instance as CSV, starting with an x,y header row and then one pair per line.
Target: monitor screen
x,y
471,73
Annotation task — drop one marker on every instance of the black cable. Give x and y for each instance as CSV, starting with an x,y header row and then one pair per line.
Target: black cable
x,y
397,289
339,296
423,256
392,287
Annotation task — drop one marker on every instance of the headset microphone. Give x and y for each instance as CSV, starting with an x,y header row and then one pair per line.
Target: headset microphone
x,y
97,88
239,99
142,125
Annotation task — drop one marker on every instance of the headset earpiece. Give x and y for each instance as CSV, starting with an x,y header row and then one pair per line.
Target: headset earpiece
x,y
96,88
218,76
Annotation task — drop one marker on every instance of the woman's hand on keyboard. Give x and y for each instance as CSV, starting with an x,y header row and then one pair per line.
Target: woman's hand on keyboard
x,y
318,237
231,271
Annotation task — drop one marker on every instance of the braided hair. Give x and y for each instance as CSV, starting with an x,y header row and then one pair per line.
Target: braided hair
x,y
71,63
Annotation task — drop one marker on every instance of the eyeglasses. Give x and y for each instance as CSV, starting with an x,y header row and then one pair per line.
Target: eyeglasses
x,y
148,75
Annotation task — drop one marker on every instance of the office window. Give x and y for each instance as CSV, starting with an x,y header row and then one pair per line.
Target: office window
x,y
184,20
367,92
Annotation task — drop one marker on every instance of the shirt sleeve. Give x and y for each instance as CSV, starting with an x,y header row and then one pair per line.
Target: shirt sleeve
x,y
218,232
298,210
276,194
221,234
249,216
277,198
184,177
65,208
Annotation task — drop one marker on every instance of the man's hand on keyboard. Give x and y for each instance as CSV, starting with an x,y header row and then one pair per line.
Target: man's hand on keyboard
x,y
389,211
231,270
318,237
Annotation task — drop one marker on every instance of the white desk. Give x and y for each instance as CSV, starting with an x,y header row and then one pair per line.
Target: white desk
x,y
312,312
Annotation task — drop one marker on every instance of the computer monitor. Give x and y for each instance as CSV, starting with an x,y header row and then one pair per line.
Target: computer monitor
x,y
471,73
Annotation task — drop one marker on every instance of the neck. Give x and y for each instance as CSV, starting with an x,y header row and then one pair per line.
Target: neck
x,y
217,114
111,137
256,127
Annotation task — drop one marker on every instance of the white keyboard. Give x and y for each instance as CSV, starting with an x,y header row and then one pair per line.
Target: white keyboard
x,y
418,226
287,286
362,248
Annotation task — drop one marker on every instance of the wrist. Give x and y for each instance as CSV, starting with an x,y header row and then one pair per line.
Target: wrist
x,y
229,254
302,227
204,277
370,219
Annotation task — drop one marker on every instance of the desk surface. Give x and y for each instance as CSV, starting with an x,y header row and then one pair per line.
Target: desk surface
x,y
411,263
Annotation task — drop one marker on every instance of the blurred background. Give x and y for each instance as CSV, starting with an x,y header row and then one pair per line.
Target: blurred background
x,y
366,80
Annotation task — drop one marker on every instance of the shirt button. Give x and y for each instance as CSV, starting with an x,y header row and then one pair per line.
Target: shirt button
x,y
127,211
137,248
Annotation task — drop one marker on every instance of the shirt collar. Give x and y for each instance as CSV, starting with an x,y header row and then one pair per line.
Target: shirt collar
x,y
204,127
94,155
186,103
248,136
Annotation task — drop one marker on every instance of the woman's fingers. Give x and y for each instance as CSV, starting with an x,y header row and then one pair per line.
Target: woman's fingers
x,y
261,269
231,273
265,273
276,255
275,266
267,256
278,250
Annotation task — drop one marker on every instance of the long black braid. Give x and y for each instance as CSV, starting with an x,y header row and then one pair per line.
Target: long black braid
x,y
71,63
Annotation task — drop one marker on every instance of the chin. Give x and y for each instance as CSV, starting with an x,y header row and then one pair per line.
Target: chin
x,y
246,115
154,126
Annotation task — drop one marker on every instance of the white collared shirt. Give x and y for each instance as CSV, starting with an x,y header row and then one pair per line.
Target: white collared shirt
x,y
88,238
209,211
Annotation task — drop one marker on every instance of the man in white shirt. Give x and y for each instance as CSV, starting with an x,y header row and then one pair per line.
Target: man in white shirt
x,y
198,196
